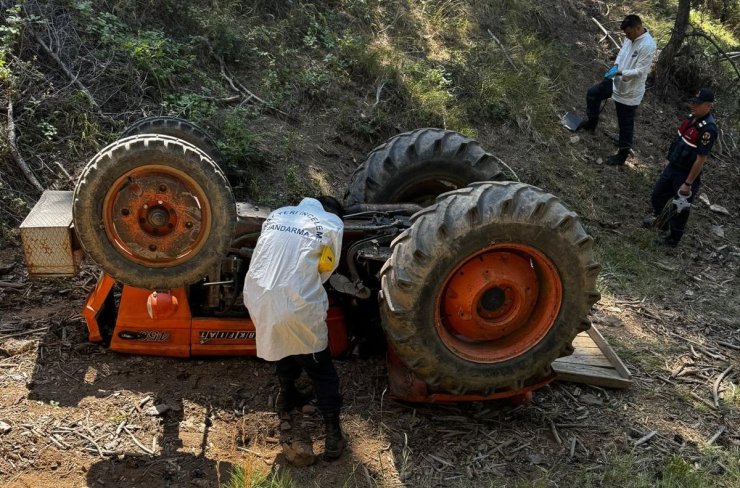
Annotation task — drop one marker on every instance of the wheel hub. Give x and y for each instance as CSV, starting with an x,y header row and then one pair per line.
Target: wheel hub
x,y
156,216
499,303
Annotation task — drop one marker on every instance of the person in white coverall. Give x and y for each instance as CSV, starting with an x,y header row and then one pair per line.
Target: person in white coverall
x,y
627,87
287,303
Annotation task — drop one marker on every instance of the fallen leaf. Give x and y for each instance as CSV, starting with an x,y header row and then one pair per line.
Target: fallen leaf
x,y
705,199
536,459
719,209
718,230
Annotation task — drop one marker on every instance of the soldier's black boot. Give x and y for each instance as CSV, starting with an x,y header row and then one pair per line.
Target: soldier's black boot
x,y
290,397
619,158
335,443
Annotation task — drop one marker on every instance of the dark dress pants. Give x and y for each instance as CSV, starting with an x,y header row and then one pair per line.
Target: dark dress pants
x,y
625,113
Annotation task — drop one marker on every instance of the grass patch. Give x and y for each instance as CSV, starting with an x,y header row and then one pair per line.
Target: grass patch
x,y
720,469
248,476
624,265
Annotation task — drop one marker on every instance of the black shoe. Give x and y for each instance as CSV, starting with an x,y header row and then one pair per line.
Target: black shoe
x,y
290,397
588,125
619,158
335,443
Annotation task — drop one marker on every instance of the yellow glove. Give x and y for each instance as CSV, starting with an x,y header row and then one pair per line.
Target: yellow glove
x,y
326,261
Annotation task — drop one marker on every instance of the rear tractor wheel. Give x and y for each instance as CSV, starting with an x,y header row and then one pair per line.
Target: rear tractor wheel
x,y
154,211
488,287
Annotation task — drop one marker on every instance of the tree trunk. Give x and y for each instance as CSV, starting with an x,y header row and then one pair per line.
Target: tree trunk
x,y
664,69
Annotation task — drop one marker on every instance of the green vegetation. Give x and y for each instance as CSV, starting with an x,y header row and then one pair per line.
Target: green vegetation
x,y
247,476
623,470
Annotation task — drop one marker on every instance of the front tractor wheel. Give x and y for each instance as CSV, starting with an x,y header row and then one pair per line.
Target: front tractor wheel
x,y
488,287
416,166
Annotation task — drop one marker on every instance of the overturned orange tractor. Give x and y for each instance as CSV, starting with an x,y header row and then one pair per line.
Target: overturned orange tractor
x,y
478,285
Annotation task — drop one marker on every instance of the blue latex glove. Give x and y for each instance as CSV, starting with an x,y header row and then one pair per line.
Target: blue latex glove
x,y
612,72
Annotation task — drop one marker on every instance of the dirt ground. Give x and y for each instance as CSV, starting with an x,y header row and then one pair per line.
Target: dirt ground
x,y
78,414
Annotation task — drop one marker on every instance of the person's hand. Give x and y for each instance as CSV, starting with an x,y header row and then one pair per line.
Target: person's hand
x,y
685,190
666,163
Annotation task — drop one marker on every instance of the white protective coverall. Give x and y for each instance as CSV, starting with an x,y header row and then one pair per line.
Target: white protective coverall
x,y
634,60
283,289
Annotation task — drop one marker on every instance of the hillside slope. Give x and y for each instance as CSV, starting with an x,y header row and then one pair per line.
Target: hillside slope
x,y
296,94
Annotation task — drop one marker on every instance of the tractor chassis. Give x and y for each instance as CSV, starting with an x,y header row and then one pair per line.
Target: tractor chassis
x,y
163,323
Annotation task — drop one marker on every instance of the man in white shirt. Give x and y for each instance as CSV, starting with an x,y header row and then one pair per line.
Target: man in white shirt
x,y
627,87
285,296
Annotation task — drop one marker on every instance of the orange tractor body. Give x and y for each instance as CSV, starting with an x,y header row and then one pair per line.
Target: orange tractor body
x,y
475,289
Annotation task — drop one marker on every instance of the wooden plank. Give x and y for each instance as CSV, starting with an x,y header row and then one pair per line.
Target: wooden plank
x,y
591,375
587,351
585,341
600,361
594,333
593,362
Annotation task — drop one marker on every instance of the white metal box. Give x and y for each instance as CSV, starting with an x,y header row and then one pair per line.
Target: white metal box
x,y
48,238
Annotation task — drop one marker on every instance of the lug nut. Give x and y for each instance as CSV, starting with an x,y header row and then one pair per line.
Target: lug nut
x,y
152,247
162,188
125,212
159,202
146,206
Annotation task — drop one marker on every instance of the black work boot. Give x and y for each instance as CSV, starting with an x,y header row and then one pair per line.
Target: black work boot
x,y
334,443
619,158
587,125
290,397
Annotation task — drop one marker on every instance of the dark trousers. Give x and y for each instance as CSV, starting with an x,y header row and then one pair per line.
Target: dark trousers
x,y
320,369
666,189
625,113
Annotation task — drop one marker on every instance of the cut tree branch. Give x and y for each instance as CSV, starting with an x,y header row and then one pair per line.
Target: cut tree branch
x,y
700,33
606,33
73,79
243,91
16,153
503,49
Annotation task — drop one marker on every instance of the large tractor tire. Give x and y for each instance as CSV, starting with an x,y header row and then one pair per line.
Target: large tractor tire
x,y
175,127
416,166
488,287
154,212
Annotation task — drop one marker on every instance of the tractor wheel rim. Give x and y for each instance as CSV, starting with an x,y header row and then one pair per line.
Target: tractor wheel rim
x,y
498,303
157,216
424,190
